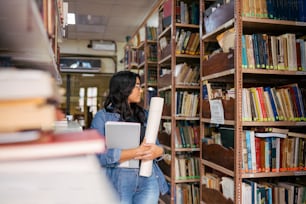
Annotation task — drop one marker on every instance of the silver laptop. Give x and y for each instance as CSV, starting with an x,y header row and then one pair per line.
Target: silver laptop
x,y
123,135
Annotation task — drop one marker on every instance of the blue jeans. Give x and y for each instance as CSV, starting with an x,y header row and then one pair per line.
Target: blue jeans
x,y
135,189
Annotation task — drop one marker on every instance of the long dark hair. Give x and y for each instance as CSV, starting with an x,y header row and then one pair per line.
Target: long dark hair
x,y
120,87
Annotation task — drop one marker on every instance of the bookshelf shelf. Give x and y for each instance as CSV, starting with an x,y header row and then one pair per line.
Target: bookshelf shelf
x,y
218,167
218,75
25,39
181,25
187,56
164,32
187,118
212,35
275,123
274,174
187,181
256,23
165,60
141,65
187,149
274,72
226,122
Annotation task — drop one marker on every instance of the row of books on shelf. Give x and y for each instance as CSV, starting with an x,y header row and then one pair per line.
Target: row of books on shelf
x,y
275,9
187,74
187,136
185,12
137,56
273,152
187,103
277,192
187,193
151,33
187,167
282,52
151,51
285,103
148,33
187,42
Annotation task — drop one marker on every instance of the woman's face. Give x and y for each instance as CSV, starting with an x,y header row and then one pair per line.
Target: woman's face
x,y
135,96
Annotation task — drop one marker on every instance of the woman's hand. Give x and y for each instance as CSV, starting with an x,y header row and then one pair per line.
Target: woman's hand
x,y
147,151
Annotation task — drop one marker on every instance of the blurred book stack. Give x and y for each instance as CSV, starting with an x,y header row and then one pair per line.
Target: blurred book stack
x,y
28,100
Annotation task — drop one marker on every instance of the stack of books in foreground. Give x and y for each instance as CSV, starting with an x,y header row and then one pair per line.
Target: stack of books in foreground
x,y
38,163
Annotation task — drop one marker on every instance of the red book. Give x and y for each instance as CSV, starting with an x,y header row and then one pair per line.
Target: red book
x,y
258,154
262,102
54,145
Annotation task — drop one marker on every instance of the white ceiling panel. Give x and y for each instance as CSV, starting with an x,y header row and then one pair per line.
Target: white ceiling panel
x,y
120,18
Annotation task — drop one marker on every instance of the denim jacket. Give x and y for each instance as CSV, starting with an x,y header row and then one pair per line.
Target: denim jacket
x,y
110,159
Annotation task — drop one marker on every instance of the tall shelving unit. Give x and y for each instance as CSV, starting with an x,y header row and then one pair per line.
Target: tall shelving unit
x,y
181,176
25,39
240,78
149,67
32,156
141,55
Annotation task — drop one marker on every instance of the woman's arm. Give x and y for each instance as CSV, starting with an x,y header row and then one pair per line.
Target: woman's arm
x,y
148,151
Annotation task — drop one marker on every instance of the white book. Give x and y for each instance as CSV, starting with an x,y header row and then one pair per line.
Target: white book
x,y
75,179
23,84
270,134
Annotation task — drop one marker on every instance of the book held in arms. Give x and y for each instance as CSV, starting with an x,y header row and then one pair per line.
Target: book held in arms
x,y
123,135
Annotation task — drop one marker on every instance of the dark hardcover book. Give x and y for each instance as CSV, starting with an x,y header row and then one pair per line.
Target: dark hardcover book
x,y
256,51
271,9
273,105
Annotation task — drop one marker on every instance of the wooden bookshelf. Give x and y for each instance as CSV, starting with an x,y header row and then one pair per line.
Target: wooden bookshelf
x,y
239,77
25,39
169,56
141,55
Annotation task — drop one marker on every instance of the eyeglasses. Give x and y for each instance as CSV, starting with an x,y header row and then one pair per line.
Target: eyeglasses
x,y
138,86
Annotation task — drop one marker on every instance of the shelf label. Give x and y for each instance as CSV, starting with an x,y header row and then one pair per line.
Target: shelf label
x,y
216,110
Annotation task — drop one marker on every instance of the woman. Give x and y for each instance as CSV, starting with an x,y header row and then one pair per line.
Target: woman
x,y
121,105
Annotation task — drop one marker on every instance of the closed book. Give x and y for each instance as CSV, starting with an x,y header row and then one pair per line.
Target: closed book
x,y
54,145
24,84
26,114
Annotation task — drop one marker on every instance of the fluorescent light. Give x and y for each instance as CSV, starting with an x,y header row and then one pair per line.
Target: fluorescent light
x,y
71,18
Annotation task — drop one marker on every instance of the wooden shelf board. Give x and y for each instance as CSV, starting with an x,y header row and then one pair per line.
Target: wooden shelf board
x,y
273,174
166,30
187,180
165,59
25,39
217,167
212,35
184,25
196,149
226,122
219,74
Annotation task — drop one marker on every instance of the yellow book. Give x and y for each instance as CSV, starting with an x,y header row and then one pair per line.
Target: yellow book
x,y
256,101
26,115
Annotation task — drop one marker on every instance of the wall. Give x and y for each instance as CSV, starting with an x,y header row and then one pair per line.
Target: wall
x,y
79,47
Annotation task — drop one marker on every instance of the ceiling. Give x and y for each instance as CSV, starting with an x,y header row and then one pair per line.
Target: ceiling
x,y
107,19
